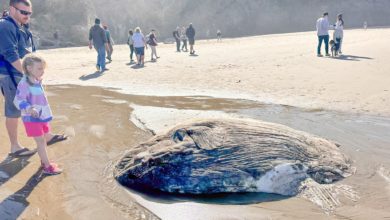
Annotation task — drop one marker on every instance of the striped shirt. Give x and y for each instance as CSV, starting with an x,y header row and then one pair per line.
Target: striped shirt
x,y
28,96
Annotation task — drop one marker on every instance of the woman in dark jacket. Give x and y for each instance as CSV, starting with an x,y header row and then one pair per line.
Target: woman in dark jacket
x,y
190,32
153,44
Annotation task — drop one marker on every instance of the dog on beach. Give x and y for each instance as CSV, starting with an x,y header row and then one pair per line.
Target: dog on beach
x,y
334,48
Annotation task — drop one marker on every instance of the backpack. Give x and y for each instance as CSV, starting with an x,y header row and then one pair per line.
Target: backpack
x,y
4,62
148,39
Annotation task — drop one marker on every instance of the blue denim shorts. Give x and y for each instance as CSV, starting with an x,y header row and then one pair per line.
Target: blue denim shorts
x,y
8,89
140,50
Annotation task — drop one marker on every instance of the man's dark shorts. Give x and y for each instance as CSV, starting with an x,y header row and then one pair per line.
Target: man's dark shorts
x,y
140,51
8,89
191,41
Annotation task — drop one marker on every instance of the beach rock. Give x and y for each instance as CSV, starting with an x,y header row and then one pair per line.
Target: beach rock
x,y
231,155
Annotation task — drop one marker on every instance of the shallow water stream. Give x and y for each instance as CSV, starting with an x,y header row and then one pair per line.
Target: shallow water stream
x,y
103,125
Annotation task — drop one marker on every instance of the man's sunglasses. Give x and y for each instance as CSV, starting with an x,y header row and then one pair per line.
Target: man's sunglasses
x,y
23,12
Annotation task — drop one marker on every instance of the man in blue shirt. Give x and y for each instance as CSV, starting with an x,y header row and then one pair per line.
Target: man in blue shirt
x,y
98,38
13,47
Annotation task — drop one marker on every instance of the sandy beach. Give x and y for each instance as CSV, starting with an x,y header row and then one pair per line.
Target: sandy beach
x,y
279,69
275,78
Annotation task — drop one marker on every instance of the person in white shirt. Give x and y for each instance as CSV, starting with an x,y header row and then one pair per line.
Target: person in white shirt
x,y
323,33
338,33
139,46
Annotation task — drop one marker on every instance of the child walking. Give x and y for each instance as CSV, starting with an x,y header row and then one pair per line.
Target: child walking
x,y
36,113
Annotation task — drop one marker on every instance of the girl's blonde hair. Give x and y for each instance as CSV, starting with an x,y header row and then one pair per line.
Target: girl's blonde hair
x,y
30,60
137,30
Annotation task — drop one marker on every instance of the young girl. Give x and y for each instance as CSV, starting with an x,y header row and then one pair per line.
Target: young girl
x,y
31,100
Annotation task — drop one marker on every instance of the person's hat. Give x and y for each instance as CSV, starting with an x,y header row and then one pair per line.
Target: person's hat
x,y
326,13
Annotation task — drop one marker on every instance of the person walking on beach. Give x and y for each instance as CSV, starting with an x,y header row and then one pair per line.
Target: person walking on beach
x,y
13,48
190,32
338,33
130,42
139,46
323,34
56,37
176,35
97,37
183,38
153,44
219,35
30,98
110,43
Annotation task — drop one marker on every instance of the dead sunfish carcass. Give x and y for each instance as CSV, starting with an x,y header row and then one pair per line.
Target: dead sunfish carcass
x,y
231,155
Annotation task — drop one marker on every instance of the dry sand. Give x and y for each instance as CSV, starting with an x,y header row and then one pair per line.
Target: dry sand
x,y
272,68
281,69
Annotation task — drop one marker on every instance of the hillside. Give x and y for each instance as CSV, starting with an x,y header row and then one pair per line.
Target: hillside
x,y
234,18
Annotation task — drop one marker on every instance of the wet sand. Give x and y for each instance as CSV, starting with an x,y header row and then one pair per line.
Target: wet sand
x,y
99,132
100,126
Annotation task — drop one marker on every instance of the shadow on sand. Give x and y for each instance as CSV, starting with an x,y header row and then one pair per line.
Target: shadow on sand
x,y
11,166
136,66
14,205
219,198
352,58
91,76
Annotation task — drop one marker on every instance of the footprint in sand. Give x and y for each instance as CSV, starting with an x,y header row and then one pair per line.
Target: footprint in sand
x,y
70,131
115,101
97,130
61,118
103,96
49,94
63,87
76,107
385,174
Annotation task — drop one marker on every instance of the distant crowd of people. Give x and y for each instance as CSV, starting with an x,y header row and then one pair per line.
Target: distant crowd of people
x,y
185,35
100,38
138,43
